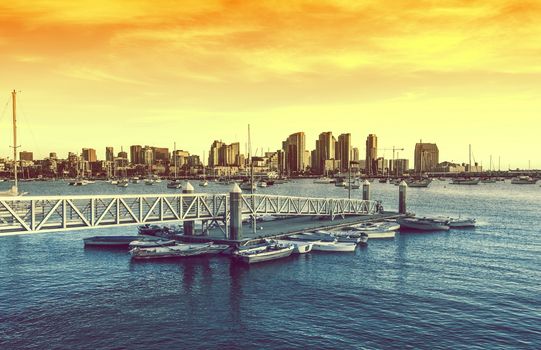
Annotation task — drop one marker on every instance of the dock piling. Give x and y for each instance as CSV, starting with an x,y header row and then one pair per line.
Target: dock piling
x,y
402,189
235,220
366,190
188,225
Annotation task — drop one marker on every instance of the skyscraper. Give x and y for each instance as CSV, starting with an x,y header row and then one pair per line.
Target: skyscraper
x,y
214,155
109,154
371,155
355,154
325,149
343,151
89,155
294,148
426,157
136,154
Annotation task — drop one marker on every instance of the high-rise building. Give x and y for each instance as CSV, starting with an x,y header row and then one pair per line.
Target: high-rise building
x,y
426,157
325,150
136,154
26,156
343,151
123,155
294,148
161,155
371,155
355,155
147,156
214,153
109,154
399,166
89,155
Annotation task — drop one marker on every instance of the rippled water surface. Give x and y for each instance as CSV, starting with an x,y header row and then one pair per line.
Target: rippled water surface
x,y
463,289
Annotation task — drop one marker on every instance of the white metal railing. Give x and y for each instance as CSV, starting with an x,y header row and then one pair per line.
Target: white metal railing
x,y
62,213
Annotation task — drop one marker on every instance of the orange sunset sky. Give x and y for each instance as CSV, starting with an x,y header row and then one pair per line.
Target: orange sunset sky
x,y
115,73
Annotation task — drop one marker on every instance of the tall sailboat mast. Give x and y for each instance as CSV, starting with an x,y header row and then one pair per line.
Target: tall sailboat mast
x,y
15,168
250,161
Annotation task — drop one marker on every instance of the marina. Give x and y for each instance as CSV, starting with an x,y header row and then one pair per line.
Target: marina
x,y
401,265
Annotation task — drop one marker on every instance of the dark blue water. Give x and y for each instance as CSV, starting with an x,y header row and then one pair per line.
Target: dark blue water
x,y
475,289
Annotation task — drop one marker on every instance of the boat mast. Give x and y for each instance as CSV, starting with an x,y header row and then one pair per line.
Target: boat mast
x,y
15,169
469,166
251,162
175,158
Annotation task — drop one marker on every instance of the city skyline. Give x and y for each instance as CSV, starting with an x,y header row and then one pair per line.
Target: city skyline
x,y
455,74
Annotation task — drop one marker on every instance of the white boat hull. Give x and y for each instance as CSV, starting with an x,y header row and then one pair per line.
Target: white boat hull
x,y
334,247
300,247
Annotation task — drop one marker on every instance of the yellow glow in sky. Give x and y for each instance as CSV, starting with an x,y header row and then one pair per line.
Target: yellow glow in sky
x,y
117,73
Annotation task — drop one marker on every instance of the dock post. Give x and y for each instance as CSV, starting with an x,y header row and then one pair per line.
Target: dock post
x,y
366,190
402,189
235,210
188,225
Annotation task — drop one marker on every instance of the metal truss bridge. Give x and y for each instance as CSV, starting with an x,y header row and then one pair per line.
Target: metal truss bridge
x,y
35,214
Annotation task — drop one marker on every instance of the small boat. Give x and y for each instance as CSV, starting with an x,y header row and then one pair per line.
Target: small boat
x,y
323,180
322,236
464,181
377,226
149,182
204,183
176,184
424,224
300,247
151,243
340,183
334,246
110,241
135,180
350,235
113,182
272,251
123,183
418,182
247,186
382,181
262,184
176,251
523,180
157,180
148,229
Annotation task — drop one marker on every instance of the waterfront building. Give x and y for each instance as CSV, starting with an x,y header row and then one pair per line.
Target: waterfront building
x,y
148,156
89,155
26,156
426,157
355,155
213,160
450,167
294,149
343,151
136,154
371,167
109,154
161,155
399,166
325,150
221,154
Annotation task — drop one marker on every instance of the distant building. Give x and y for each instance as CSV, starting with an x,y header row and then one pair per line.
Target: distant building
x,y
52,155
325,150
123,155
399,166
161,155
371,155
221,154
426,157
136,154
147,156
294,149
343,151
214,154
449,167
109,154
89,155
26,156
355,155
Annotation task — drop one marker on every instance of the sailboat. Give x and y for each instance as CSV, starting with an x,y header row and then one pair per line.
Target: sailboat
x,y
14,191
204,182
249,185
466,180
175,184
419,182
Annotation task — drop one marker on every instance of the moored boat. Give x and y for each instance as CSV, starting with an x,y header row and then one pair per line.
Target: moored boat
x,y
176,251
300,247
272,251
423,224
465,181
110,241
151,243
523,180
